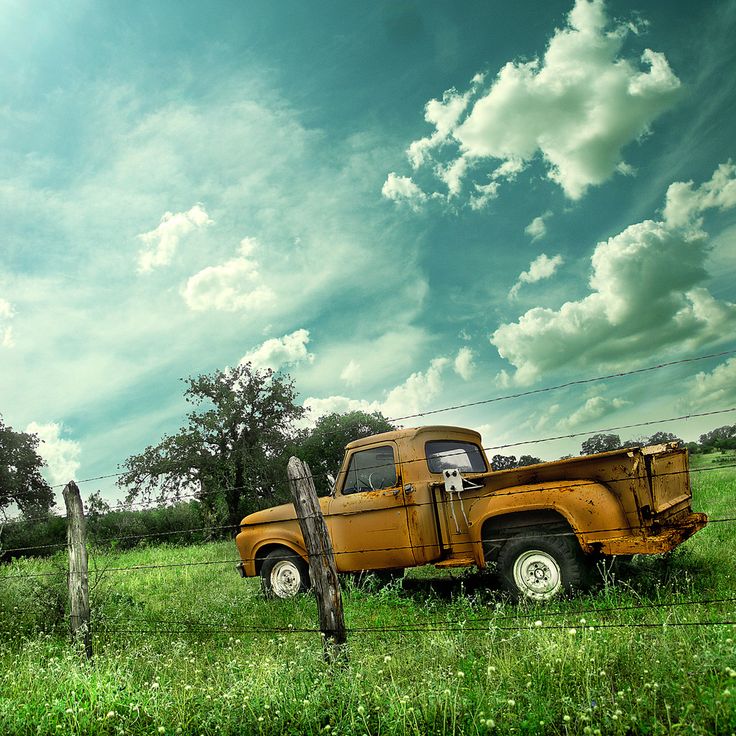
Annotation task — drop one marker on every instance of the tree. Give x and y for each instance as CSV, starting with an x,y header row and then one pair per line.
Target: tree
x,y
503,462
600,443
21,482
323,447
660,438
233,447
527,460
721,438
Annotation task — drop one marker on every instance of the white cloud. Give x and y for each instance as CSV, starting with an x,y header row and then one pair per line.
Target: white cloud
x,y
537,228
232,286
61,455
684,203
645,296
162,242
403,189
542,267
6,330
464,363
444,114
351,373
410,397
576,108
594,408
277,352
714,389
484,194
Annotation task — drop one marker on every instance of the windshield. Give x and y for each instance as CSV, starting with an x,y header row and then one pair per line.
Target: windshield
x,y
444,454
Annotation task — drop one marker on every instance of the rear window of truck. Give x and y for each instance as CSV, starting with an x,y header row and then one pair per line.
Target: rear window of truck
x,y
444,454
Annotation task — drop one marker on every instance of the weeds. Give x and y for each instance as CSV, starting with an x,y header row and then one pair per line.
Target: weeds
x,y
173,653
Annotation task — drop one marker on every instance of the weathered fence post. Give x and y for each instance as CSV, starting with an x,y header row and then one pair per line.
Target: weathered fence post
x,y
322,570
78,582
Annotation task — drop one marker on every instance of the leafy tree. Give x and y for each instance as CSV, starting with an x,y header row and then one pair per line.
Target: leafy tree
x,y
323,447
721,438
600,443
21,481
503,462
527,460
232,448
659,438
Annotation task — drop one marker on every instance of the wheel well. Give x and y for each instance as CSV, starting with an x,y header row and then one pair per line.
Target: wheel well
x,y
497,529
264,551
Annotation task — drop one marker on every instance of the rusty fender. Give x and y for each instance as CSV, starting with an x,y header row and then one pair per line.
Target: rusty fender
x,y
286,538
589,508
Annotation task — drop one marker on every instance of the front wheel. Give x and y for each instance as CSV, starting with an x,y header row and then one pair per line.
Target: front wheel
x,y
284,574
538,567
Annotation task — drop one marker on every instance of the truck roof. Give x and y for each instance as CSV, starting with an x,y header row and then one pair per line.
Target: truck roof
x,y
440,431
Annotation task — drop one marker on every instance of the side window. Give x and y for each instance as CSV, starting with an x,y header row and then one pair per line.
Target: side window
x,y
465,456
371,470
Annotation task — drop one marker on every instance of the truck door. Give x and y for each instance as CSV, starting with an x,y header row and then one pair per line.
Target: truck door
x,y
367,517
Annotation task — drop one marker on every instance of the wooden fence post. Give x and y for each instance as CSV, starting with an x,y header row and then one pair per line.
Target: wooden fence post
x,y
78,581
322,570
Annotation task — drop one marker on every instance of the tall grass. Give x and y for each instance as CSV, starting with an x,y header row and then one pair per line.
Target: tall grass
x,y
473,662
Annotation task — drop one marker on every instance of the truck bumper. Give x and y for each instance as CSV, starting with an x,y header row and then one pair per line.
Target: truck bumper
x,y
662,539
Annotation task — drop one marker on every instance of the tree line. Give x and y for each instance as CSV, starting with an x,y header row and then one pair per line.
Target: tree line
x,y
230,454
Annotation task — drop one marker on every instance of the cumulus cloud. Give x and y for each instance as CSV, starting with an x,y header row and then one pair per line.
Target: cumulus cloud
x,y
232,286
537,228
403,189
162,242
61,455
594,408
540,268
280,351
645,296
684,203
6,330
464,363
576,108
410,397
351,373
717,388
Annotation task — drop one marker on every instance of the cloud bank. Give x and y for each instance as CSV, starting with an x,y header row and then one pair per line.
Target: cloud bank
x,y
576,109
234,285
61,455
6,329
645,294
280,351
160,244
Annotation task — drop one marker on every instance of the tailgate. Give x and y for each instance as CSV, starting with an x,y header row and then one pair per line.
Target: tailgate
x,y
669,478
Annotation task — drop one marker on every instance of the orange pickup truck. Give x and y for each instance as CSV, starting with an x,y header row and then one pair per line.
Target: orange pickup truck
x,y
428,495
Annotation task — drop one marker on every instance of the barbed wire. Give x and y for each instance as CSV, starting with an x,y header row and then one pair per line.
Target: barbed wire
x,y
578,483
506,397
323,475
588,627
393,548
577,382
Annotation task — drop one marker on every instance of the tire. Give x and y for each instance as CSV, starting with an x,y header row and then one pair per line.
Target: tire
x,y
284,574
536,566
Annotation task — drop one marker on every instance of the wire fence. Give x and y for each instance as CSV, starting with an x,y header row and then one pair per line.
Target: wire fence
x,y
484,624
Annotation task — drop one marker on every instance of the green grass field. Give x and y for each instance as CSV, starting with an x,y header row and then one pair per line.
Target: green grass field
x,y
175,653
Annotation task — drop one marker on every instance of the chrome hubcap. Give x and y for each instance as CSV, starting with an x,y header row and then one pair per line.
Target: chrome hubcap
x,y
537,574
285,579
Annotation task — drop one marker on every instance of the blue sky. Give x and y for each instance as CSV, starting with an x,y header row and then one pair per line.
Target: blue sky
x,y
406,205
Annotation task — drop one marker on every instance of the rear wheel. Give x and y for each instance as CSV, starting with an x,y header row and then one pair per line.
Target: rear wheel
x,y
537,566
284,574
